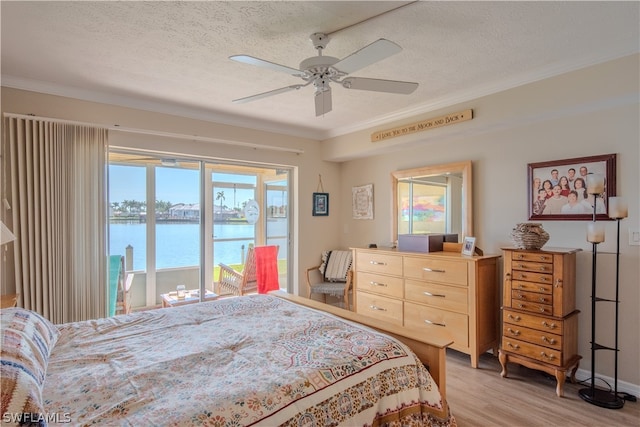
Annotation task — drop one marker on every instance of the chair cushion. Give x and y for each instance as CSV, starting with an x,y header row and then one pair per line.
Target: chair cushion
x,y
26,342
335,265
335,289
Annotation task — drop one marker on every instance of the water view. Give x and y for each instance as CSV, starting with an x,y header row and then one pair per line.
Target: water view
x,y
178,245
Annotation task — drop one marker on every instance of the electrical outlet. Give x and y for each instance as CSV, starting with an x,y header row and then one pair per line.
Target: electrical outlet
x,y
634,237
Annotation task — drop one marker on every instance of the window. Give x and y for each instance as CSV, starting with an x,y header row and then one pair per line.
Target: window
x,y
173,231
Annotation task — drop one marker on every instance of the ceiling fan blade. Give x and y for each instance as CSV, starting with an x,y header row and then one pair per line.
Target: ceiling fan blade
x,y
246,59
376,51
378,85
266,94
323,102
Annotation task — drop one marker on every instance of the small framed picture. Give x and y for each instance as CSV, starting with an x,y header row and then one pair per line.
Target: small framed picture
x,y
320,204
468,245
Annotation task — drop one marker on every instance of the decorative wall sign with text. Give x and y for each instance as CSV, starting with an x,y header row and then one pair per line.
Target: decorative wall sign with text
x,y
423,125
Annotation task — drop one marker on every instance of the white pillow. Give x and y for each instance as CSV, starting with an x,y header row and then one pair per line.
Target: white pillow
x,y
335,265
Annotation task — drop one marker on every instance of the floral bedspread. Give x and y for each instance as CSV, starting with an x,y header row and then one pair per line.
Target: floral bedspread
x,y
253,360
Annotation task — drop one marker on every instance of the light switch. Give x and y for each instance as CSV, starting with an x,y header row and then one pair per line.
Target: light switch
x,y
634,237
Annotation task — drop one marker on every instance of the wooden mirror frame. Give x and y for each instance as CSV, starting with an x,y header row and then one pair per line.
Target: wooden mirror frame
x,y
467,206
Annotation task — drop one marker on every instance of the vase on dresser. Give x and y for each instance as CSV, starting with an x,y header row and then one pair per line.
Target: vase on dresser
x,y
539,316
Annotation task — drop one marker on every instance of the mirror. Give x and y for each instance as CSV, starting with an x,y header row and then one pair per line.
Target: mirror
x,y
441,200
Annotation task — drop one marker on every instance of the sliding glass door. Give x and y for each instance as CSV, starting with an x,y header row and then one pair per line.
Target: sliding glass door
x,y
175,220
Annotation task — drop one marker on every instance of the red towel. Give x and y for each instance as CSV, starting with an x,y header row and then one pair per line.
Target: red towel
x,y
267,268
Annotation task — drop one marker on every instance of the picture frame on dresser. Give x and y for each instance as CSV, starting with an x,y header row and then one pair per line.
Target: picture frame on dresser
x,y
468,246
575,170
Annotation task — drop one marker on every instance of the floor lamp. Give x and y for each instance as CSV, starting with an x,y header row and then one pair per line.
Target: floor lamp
x,y
595,235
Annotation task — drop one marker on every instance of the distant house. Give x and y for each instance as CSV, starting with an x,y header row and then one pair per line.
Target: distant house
x,y
221,214
185,211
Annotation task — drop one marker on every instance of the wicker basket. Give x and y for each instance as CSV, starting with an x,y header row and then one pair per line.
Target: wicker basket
x,y
529,235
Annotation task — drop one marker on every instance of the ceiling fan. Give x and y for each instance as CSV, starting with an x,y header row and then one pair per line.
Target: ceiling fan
x,y
321,70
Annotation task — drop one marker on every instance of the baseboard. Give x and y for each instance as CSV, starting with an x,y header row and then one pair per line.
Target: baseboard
x,y
623,386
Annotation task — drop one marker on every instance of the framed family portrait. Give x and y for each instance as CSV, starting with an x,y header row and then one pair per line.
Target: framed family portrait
x,y
557,190
320,204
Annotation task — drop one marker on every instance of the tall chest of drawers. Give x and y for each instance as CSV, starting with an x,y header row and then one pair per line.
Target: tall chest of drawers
x,y
539,316
440,291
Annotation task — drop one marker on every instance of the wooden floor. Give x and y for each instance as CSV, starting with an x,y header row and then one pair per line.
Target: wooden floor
x,y
482,398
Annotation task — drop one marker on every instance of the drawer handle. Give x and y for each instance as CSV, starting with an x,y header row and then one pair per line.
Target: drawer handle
x,y
520,256
522,265
549,340
375,307
516,332
377,263
434,323
543,268
541,299
429,294
515,347
544,279
543,258
378,284
547,356
516,318
520,296
541,289
521,305
520,286
523,276
433,270
549,325
558,283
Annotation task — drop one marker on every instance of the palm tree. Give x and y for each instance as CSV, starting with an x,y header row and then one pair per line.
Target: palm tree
x,y
220,196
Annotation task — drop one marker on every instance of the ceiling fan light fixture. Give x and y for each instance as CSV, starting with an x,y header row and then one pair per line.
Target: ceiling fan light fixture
x,y
322,70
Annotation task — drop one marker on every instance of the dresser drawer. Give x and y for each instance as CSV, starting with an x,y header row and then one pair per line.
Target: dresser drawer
x,y
532,277
532,307
532,336
539,323
383,308
532,297
379,263
542,288
537,352
417,316
534,267
379,284
436,270
531,256
452,298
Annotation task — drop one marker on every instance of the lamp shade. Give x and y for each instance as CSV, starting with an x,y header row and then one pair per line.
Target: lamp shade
x,y
618,208
595,183
6,235
595,232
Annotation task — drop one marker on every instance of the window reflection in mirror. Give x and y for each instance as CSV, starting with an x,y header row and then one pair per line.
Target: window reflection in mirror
x,y
433,199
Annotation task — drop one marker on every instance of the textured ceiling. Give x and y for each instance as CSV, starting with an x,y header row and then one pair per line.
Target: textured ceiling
x,y
173,56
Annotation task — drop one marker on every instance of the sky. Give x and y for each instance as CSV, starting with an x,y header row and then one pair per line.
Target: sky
x,y
173,185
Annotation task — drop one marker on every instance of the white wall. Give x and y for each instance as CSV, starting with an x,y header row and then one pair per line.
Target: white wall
x,y
590,112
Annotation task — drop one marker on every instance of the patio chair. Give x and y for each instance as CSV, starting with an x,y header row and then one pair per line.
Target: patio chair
x,y
333,277
237,283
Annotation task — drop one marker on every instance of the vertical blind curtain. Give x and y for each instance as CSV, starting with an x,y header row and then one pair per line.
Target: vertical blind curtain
x,y
59,215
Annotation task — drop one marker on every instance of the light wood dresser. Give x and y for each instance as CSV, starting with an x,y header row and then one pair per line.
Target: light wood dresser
x,y
539,316
438,291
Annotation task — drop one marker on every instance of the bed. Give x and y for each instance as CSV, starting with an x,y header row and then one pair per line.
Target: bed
x,y
253,360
